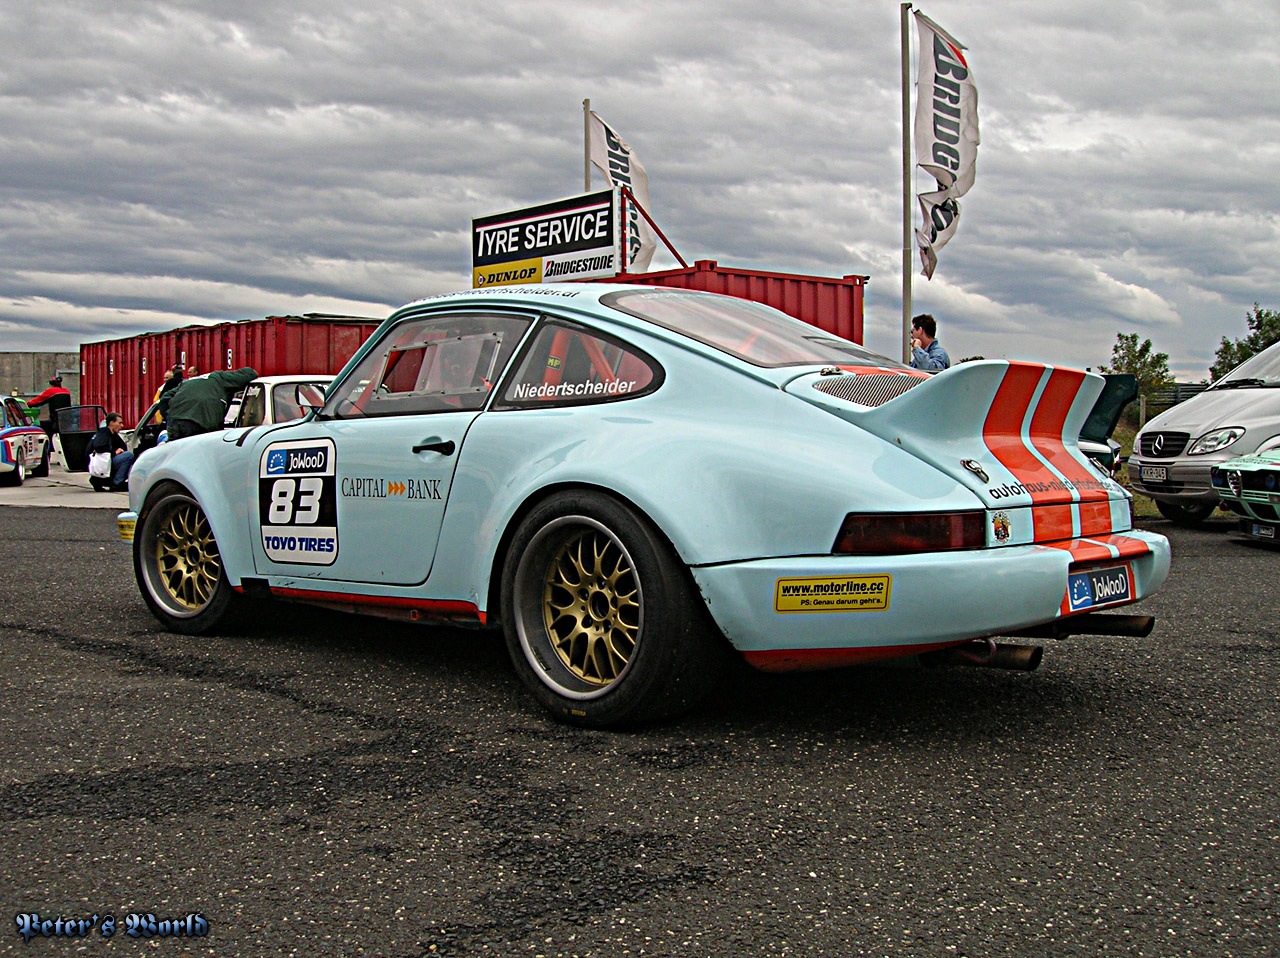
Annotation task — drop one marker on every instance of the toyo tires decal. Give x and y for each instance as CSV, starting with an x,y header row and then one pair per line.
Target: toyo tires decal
x,y
298,502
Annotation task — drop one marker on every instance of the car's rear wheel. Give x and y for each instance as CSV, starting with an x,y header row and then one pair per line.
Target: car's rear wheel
x,y
602,620
177,563
42,470
18,474
1186,516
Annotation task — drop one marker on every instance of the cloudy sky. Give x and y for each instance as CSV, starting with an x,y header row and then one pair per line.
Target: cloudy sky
x,y
163,163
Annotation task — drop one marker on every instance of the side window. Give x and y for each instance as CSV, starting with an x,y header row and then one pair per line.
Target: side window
x,y
253,408
440,363
15,415
284,402
568,365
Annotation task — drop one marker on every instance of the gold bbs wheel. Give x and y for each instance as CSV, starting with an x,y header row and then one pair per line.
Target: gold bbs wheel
x,y
178,565
591,605
186,557
602,620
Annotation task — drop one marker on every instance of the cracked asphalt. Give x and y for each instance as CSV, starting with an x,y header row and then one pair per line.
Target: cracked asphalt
x,y
321,784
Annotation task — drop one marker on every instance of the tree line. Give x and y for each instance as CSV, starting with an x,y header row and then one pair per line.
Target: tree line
x,y
1151,368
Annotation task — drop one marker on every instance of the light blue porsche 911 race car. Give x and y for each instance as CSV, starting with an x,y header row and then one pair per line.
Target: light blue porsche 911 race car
x,y
634,481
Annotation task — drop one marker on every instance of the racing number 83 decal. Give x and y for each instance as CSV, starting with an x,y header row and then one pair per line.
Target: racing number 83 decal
x,y
298,502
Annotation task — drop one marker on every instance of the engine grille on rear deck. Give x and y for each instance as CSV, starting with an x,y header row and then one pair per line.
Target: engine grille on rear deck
x,y
868,389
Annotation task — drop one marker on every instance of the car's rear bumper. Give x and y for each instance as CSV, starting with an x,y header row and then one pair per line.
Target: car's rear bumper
x,y
884,606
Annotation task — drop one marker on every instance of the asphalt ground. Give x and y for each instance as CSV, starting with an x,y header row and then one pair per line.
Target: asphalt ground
x,y
320,784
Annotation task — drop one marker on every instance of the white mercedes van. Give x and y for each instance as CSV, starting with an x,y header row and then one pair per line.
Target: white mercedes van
x,y
1239,415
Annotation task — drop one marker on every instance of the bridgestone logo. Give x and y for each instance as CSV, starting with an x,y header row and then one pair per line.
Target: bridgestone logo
x,y
571,390
588,264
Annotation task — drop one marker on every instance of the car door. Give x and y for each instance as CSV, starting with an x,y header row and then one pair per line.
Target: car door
x,y
358,493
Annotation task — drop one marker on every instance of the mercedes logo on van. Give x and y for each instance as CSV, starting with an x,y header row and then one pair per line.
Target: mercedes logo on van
x,y
1158,445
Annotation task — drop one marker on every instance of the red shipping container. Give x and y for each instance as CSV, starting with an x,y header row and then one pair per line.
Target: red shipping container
x,y
124,374
833,305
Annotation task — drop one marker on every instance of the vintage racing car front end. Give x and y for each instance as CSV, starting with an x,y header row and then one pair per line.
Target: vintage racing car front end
x,y
1250,487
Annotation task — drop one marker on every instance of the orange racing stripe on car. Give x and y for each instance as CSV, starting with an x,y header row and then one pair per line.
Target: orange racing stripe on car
x,y
1101,548
1054,522
1095,517
1046,434
1002,433
1057,512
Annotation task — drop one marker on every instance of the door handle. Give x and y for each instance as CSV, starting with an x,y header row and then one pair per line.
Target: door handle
x,y
445,448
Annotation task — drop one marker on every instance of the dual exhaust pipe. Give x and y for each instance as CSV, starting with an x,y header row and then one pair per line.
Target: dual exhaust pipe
x,y
989,654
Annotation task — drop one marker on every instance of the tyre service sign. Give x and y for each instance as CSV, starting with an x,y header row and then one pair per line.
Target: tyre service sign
x,y
574,238
298,502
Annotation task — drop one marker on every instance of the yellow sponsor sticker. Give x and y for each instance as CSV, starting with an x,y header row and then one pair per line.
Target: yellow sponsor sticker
x,y
504,274
839,593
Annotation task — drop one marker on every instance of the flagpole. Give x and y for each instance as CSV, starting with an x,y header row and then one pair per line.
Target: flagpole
x,y
586,145
906,184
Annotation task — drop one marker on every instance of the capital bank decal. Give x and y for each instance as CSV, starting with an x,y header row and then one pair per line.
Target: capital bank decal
x,y
368,487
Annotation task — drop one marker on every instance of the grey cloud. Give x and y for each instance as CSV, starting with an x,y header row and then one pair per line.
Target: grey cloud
x,y
166,162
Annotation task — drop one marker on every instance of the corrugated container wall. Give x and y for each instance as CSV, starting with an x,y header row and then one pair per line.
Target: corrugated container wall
x,y
833,305
123,374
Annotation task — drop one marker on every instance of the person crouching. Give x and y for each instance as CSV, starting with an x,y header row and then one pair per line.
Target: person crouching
x,y
107,439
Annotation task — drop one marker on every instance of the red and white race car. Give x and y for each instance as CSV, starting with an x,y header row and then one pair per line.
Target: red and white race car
x,y
24,446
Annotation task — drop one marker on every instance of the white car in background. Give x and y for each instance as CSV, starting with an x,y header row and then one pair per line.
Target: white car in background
x,y
1174,454
266,400
270,399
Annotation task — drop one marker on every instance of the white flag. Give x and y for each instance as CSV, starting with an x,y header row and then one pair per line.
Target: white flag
x,y
946,132
612,157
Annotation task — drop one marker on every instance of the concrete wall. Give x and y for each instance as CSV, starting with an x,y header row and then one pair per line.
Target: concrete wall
x,y
29,373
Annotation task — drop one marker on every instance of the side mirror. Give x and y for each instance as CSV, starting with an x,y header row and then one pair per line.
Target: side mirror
x,y
308,396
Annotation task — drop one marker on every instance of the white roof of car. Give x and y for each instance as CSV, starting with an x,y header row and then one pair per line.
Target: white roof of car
x,y
297,378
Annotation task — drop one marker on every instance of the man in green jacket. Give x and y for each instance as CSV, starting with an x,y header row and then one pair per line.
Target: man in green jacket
x,y
199,404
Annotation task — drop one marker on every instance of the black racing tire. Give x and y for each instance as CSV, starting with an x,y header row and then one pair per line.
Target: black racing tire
x,y
18,474
1188,517
42,470
602,620
178,566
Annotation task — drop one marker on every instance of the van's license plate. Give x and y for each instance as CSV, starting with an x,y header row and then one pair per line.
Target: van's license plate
x,y
1153,473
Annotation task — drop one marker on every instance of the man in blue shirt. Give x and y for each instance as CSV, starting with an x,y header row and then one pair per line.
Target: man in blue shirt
x,y
926,351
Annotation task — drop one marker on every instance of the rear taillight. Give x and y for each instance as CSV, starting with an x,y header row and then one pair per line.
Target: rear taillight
x,y
879,533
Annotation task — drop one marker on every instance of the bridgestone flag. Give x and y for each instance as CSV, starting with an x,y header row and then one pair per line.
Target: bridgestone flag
x,y
613,158
946,132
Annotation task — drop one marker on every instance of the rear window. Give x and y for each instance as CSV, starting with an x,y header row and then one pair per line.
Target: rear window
x,y
758,334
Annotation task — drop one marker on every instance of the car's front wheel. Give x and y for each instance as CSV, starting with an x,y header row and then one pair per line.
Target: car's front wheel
x,y
1186,516
16,475
177,563
602,620
42,470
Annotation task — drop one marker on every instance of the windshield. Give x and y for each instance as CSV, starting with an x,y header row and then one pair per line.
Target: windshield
x,y
751,331
1264,368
